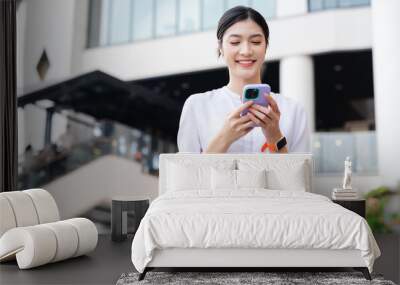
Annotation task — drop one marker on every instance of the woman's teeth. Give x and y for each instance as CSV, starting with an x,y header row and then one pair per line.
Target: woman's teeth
x,y
246,63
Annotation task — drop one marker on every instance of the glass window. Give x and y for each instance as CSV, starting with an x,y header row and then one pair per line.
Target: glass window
x,y
349,3
267,8
165,17
315,5
362,2
120,21
345,3
189,16
142,22
212,11
330,4
233,3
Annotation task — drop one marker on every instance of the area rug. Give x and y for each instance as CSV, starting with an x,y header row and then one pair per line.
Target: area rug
x,y
273,278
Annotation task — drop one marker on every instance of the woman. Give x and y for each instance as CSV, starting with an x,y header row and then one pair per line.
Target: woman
x,y
211,123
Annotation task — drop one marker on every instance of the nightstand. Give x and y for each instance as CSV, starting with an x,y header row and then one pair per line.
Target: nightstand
x,y
357,205
122,208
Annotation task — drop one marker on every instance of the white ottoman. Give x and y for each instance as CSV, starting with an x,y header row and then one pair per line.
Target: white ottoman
x,y
31,233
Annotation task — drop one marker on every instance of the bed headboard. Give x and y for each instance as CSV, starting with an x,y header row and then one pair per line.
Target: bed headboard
x,y
272,160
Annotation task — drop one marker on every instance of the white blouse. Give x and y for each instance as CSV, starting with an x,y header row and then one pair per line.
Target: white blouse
x,y
204,114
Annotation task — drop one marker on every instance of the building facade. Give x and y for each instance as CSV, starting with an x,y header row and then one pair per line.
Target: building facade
x,y
331,53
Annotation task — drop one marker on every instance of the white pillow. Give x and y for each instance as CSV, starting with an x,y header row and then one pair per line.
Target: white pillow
x,y
183,178
223,179
237,179
293,179
187,175
251,178
286,174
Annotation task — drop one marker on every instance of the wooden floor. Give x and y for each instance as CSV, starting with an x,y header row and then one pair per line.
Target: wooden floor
x,y
110,259
102,266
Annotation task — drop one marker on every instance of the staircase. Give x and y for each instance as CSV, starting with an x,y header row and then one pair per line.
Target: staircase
x,y
84,177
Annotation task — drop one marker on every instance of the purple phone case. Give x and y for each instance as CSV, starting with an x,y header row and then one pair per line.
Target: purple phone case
x,y
260,100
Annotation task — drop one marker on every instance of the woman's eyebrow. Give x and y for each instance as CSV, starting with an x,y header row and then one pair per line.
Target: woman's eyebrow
x,y
239,36
256,35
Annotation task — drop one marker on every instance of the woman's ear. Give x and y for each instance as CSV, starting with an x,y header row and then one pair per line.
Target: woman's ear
x,y
220,48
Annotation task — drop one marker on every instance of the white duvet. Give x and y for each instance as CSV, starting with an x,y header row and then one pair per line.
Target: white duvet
x,y
250,219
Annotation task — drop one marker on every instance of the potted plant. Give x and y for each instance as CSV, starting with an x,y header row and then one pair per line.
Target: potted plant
x,y
385,227
378,219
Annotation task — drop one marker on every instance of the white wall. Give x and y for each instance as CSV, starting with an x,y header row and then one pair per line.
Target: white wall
x,y
49,26
386,63
42,25
343,29
97,182
60,26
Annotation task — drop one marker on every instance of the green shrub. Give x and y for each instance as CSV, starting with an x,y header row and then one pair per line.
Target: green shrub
x,y
376,201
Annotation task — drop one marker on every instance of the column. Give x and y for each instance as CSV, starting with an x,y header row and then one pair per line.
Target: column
x,y
386,66
296,75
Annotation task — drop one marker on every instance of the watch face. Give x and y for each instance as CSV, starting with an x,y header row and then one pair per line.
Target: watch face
x,y
281,143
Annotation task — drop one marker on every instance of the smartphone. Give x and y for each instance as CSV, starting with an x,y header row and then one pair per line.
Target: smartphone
x,y
256,93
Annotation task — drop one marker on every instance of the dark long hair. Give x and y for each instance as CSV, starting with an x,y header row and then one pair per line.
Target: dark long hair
x,y
237,14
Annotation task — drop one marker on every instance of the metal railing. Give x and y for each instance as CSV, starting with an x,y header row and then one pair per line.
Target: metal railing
x,y
330,149
105,137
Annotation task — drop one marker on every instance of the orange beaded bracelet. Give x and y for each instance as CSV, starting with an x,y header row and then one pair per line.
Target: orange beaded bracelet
x,y
271,148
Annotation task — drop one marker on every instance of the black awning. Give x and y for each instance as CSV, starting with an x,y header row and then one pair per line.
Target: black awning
x,y
103,96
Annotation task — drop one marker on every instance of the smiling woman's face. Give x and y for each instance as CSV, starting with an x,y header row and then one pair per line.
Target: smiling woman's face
x,y
243,49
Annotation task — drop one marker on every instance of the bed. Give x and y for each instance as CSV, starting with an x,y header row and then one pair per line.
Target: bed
x,y
245,211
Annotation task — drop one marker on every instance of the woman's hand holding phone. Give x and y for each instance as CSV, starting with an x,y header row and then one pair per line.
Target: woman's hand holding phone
x,y
264,112
259,109
267,118
235,126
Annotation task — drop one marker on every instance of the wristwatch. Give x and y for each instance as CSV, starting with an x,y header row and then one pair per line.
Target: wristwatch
x,y
281,143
